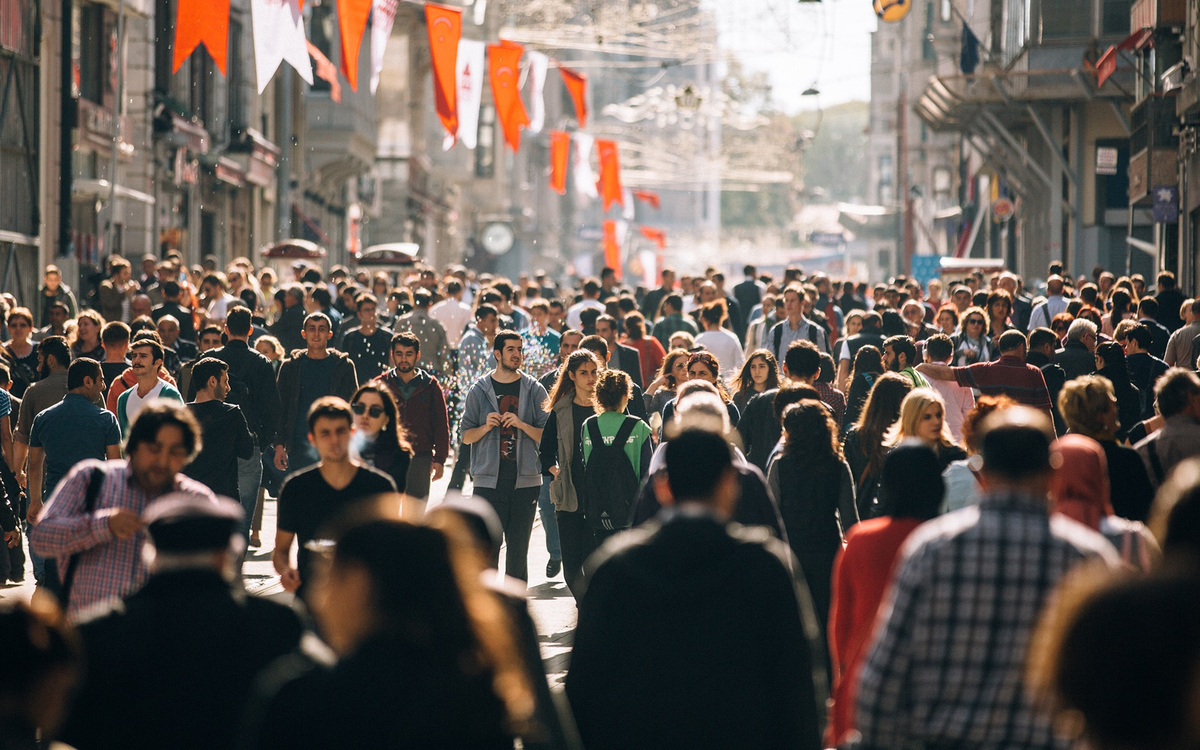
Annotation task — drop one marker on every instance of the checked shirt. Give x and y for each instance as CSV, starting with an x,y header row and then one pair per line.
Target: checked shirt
x,y
946,665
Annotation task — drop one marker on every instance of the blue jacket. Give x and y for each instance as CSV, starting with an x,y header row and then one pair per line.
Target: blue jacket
x,y
485,455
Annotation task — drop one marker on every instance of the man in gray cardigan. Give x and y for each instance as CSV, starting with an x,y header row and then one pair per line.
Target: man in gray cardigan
x,y
503,421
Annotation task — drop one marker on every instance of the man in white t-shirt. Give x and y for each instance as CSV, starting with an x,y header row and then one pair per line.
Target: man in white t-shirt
x,y
591,298
213,288
145,357
452,313
721,342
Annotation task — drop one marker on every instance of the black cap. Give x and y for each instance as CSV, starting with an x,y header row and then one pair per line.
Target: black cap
x,y
183,522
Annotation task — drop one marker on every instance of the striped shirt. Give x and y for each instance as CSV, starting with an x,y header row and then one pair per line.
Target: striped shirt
x,y
109,568
948,657
1008,376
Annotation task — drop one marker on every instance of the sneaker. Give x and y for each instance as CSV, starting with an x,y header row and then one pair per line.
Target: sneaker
x,y
553,567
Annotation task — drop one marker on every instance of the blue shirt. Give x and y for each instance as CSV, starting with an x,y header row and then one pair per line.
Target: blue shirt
x,y
72,430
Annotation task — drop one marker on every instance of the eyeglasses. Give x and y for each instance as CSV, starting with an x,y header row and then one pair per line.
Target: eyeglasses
x,y
974,322
376,411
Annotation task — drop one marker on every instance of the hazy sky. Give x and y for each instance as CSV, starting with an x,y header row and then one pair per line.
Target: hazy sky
x,y
799,44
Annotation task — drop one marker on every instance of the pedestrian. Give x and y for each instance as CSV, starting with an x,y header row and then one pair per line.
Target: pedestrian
x,y
591,290
863,444
959,400
1178,400
87,336
812,483
1179,347
1008,376
43,663
1055,303
474,360
289,326
759,686
210,340
868,368
962,476
503,421
922,417
53,360
452,313
795,326
380,439
723,343
972,344
428,657
570,404
423,415
1078,355
173,306
900,356
672,321
849,347
312,497
435,357
146,356
100,566
304,378
650,352
759,374
1148,308
802,366
1023,556
863,570
115,292
368,344
599,347
1110,365
226,437
1144,368
620,357
1080,491
53,290
704,366
1175,517
616,456
21,352
671,374
174,664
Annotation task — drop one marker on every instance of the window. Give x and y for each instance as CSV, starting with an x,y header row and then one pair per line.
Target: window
x,y
1115,17
93,33
885,169
321,32
234,82
947,13
1067,18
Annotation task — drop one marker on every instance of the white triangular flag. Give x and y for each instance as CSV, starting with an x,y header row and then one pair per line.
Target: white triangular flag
x,y
585,178
538,64
469,77
628,211
278,38
383,15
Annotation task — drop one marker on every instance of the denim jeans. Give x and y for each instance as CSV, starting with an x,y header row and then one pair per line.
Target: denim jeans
x,y
249,478
549,520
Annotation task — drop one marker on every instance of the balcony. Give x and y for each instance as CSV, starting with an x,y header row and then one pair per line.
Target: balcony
x,y
1147,14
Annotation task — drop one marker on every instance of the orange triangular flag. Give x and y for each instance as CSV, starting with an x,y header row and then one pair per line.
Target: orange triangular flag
x,y
657,236
577,87
610,174
326,71
504,62
352,22
612,247
560,151
445,27
202,22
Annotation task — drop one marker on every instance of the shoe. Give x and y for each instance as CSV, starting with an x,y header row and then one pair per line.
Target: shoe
x,y
255,540
553,567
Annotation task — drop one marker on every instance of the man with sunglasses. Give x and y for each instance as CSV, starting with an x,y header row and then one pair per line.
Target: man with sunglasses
x,y
422,410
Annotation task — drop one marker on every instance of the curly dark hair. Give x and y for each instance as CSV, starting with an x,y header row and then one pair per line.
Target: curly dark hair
x,y
811,432
612,388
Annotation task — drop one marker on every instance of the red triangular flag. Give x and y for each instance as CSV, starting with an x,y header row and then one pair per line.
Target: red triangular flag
x,y
647,196
326,71
612,247
609,184
504,62
445,28
352,22
577,87
202,22
560,152
1106,65
657,236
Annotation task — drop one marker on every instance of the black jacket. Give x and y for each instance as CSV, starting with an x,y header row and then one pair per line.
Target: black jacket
x,y
289,328
342,384
224,439
174,665
1075,360
630,364
1159,336
1169,302
252,387
1129,400
187,324
1055,378
759,428
741,665
755,506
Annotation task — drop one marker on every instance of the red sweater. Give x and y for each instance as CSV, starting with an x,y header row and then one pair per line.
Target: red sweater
x,y
862,574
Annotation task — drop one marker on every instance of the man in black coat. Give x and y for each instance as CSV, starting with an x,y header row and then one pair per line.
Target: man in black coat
x,y
738,665
621,357
1159,335
1040,355
174,664
1078,355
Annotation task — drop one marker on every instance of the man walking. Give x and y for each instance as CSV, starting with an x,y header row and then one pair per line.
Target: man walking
x,y
304,378
947,665
672,322
225,436
422,410
795,326
106,538
146,356
171,306
654,297
1178,399
1008,376
368,344
621,357
311,498
452,313
474,359
503,423
54,357
900,356
434,345
746,678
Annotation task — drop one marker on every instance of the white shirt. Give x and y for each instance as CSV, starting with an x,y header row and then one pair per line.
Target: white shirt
x,y
1044,313
573,313
454,317
959,400
135,403
726,348
218,310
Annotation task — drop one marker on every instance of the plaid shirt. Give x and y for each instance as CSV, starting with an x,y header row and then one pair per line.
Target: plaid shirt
x,y
833,398
109,568
1008,376
946,665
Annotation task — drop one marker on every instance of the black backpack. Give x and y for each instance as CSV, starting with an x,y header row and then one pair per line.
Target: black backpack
x,y
610,482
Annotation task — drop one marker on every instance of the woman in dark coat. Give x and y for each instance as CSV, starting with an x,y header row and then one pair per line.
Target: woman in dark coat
x,y
378,434
863,446
1110,364
868,366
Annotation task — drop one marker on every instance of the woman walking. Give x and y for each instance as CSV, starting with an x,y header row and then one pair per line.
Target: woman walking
x,y
759,374
863,446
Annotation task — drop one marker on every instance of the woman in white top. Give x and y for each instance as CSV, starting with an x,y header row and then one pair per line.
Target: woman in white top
x,y
722,343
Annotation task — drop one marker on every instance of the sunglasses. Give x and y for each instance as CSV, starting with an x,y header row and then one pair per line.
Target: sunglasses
x,y
974,322
360,409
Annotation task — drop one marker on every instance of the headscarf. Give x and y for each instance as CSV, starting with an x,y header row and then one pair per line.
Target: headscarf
x,y
1080,487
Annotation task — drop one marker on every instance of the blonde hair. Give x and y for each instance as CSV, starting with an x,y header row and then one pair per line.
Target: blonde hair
x,y
912,408
1081,402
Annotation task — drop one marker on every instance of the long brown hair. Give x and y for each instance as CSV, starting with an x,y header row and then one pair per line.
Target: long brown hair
x,y
564,386
668,364
393,434
709,360
743,381
878,415
635,326
811,434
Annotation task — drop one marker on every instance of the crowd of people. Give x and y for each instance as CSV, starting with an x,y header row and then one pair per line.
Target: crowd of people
x,y
793,512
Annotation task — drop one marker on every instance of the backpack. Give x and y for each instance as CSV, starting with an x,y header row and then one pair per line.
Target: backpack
x,y
812,336
610,482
